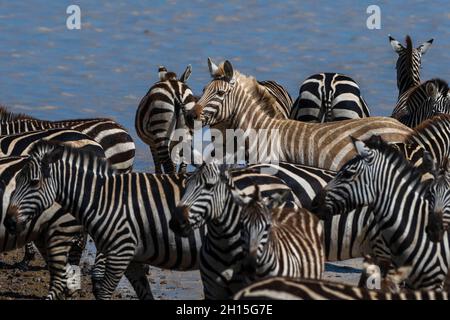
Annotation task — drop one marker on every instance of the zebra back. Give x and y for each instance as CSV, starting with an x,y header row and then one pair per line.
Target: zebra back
x,y
283,98
116,142
326,97
282,288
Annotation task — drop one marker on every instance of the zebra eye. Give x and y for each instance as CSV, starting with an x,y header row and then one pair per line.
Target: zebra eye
x,y
209,185
34,183
347,174
221,93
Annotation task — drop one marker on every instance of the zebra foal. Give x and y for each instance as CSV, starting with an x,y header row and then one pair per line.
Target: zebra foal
x,y
279,241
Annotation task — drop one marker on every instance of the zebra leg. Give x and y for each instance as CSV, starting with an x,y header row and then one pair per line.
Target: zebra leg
x,y
98,272
76,251
30,254
136,274
115,267
156,160
55,250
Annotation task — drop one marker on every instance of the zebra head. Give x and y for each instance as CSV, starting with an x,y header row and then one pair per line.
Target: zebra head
x,y
203,199
35,187
409,62
256,224
438,98
215,105
438,197
352,187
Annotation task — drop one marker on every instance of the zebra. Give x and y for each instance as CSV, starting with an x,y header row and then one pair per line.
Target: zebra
x,y
127,215
160,112
279,241
326,97
208,200
400,219
55,232
114,139
20,144
408,63
422,102
234,97
284,288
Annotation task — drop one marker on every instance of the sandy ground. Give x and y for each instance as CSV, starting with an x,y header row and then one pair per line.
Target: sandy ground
x,y
166,284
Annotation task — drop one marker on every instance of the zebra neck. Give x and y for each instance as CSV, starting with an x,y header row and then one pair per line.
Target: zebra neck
x,y
226,228
81,192
399,208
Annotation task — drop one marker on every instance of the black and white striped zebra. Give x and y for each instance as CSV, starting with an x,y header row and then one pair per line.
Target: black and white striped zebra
x,y
127,215
277,240
423,102
326,97
56,231
283,288
19,145
208,200
160,113
408,63
380,177
116,142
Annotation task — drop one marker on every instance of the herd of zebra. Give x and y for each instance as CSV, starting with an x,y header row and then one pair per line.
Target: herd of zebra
x,y
345,185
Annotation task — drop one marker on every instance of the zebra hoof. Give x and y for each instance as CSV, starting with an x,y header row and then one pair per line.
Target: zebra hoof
x,y
22,266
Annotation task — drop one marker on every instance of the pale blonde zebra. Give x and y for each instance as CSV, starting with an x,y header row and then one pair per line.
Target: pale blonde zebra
x,y
278,240
239,100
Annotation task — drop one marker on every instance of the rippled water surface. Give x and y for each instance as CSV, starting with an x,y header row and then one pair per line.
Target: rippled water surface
x,y
107,66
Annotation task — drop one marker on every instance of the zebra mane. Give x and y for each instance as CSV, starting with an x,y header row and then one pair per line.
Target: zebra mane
x,y
43,148
440,84
259,94
409,55
6,115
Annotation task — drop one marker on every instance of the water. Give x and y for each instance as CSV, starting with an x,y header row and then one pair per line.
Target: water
x,y
106,67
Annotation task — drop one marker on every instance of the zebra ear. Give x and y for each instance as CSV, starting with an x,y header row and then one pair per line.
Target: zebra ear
x,y
432,90
397,46
228,70
50,158
162,71
428,163
425,46
278,199
241,199
212,67
360,147
186,74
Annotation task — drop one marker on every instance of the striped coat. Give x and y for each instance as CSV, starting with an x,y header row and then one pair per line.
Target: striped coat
x,y
236,98
117,144
281,288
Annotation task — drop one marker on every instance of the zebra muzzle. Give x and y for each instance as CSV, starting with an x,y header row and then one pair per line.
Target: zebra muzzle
x,y
319,207
10,222
435,227
178,224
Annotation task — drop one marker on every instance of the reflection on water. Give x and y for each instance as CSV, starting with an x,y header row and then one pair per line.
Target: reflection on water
x,y
107,66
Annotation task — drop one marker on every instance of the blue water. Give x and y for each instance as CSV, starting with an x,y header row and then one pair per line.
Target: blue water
x,y
106,67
